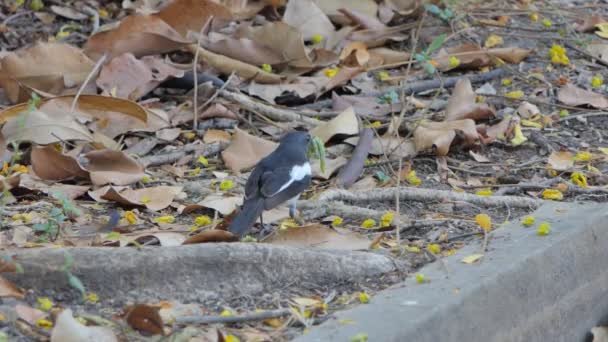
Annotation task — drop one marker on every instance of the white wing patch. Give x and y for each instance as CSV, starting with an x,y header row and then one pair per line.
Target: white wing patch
x,y
297,173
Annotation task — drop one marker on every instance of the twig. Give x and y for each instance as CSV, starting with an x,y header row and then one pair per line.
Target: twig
x,y
586,115
195,72
462,236
98,65
255,316
171,157
214,96
598,60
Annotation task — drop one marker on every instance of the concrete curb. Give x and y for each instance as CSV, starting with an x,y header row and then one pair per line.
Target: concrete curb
x,y
527,288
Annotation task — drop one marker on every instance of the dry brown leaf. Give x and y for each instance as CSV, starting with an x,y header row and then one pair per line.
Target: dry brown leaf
x,y
344,75
378,37
155,199
246,150
140,35
8,289
308,18
227,66
587,24
212,235
69,190
354,54
41,127
165,239
111,167
144,318
319,236
393,146
50,164
127,77
571,95
216,135
473,57
242,49
168,134
29,314
223,204
68,329
527,110
344,124
332,7
302,87
191,15
439,135
49,67
560,160
331,166
462,105
387,56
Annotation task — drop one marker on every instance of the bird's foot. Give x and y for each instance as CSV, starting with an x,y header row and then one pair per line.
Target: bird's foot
x,y
299,219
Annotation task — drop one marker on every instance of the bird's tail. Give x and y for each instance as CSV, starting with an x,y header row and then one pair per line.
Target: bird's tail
x,y
244,220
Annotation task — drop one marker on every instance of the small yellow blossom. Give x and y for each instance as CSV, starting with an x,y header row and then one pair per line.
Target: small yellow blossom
x,y
113,236
507,82
226,185
19,168
454,62
519,137
543,229
316,39
226,312
44,303
583,156
528,221
387,219
493,40
412,249
44,324
412,178
103,13
516,94
434,248
363,297
558,55
202,220
165,219
267,67
579,179
484,221
25,217
553,194
203,161
146,179
145,200
231,338
534,16
597,81
369,223
420,278
189,135
383,75
130,217
62,34
331,72
337,221
563,113
360,337
91,297
195,172
547,23
484,192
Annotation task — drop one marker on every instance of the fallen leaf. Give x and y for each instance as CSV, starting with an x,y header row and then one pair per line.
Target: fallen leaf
x,y
191,15
8,289
302,88
472,57
308,18
168,134
165,239
587,23
462,105
29,314
216,135
68,329
212,235
471,259
115,167
242,49
144,318
127,77
331,166
332,7
439,135
319,236
156,198
246,150
560,160
140,35
49,67
527,110
223,204
344,124
50,164
574,96
40,127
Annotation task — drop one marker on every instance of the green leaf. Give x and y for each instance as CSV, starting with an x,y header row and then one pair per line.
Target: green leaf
x,y
317,151
42,227
429,68
76,283
436,43
68,262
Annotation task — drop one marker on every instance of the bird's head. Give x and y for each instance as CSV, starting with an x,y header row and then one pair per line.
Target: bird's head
x,y
298,137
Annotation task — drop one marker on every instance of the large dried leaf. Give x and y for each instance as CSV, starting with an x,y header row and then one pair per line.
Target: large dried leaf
x,y
246,150
127,77
242,49
144,318
344,124
571,95
599,50
331,166
393,146
68,329
191,15
165,239
344,75
111,167
308,18
29,314
332,7
50,164
560,160
212,235
140,35
223,204
302,87
68,190
473,57
8,289
319,236
41,127
49,67
462,105
156,198
439,135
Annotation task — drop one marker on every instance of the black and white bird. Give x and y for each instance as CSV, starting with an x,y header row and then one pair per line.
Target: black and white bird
x,y
280,177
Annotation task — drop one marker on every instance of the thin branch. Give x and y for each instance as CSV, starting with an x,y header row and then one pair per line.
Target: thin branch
x,y
255,316
98,65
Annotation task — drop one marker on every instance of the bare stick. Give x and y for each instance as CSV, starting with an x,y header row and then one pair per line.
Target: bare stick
x,y
195,73
101,60
255,316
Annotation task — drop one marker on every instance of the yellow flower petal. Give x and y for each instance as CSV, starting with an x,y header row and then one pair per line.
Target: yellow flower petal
x,y
484,192
195,172
516,94
528,221
331,72
267,67
553,194
543,229
412,249
597,81
363,297
413,179
130,217
231,338
519,137
493,40
369,223
337,221
473,258
534,16
420,278
579,179
316,39
91,297
165,219
454,62
434,248
44,324
226,312
484,221
583,156
226,185
507,82
383,75
202,220
547,23
145,200
44,303
387,219
203,161
189,135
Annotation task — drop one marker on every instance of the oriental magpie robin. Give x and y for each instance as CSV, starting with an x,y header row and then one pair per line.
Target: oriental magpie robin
x,y
280,177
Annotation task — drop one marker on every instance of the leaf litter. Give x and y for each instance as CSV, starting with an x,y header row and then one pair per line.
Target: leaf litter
x,y
524,117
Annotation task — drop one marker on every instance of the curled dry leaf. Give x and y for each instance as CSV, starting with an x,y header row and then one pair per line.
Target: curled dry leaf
x,y
168,134
216,135
111,167
462,105
302,87
246,150
211,235
344,124
127,77
242,49
331,166
354,54
156,198
587,24
144,318
319,236
560,160
571,95
29,181
439,135
48,163
223,204
29,314
68,329
40,127
140,35
527,110
191,15
308,18
8,289
473,57
48,67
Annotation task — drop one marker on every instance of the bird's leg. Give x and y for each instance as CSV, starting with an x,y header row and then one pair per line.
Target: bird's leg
x,y
293,213
262,221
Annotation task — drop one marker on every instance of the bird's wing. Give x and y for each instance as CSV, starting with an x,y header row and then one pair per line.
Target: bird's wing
x,y
254,181
293,190
272,182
